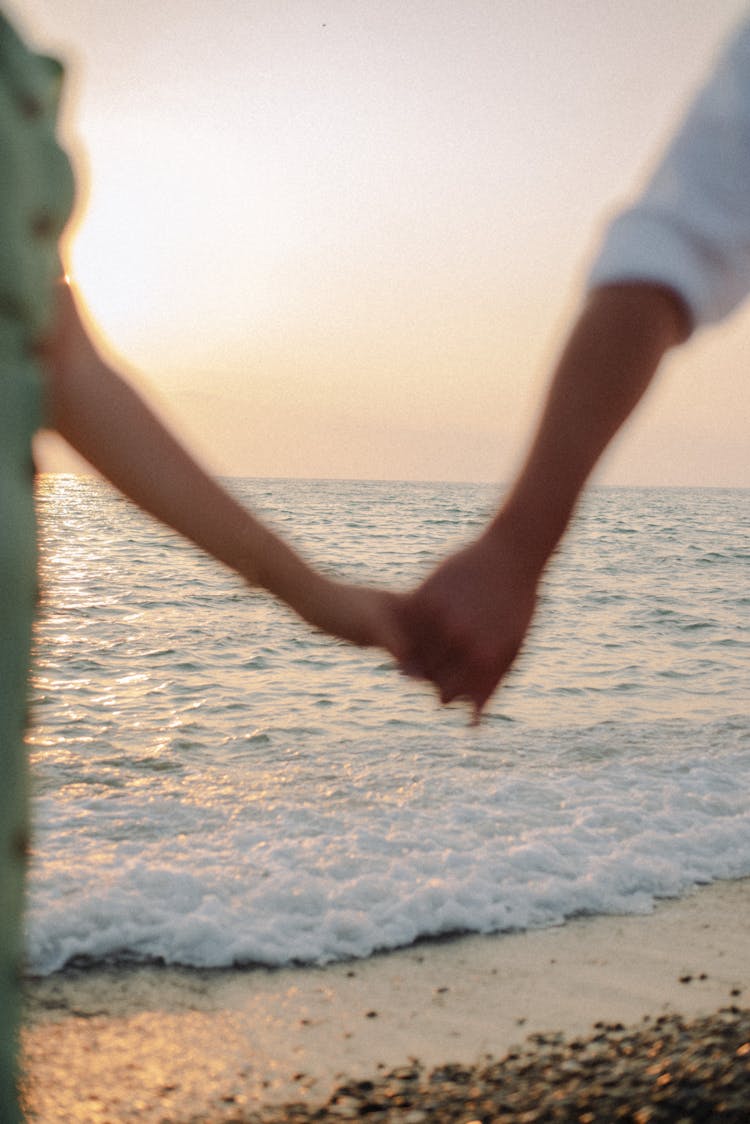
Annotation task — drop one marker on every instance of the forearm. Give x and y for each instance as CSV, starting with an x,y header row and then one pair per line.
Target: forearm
x,y
609,361
104,418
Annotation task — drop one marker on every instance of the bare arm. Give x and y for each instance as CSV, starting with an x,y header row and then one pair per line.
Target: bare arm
x,y
101,415
468,620
610,358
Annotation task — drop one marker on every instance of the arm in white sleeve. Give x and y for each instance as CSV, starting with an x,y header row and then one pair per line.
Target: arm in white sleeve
x,y
690,229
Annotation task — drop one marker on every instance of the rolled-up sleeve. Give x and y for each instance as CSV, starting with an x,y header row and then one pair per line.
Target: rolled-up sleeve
x,y
690,228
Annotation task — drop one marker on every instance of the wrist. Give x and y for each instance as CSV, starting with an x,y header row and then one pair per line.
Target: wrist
x,y
526,534
287,577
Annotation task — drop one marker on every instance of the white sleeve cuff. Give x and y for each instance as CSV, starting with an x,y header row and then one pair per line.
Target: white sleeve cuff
x,y
690,229
655,248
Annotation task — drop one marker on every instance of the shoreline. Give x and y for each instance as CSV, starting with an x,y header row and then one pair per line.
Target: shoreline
x,y
169,1044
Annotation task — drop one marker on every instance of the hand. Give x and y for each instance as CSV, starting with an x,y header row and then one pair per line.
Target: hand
x,y
466,623
363,616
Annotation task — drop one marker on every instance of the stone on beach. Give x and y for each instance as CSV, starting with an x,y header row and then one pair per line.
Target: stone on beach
x,y
664,1071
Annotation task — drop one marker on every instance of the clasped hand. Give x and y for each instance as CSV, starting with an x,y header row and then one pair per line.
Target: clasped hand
x,y
461,629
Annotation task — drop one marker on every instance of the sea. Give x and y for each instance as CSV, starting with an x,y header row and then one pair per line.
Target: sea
x,y
216,785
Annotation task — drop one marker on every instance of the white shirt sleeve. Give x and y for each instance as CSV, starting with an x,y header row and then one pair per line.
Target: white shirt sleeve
x,y
690,228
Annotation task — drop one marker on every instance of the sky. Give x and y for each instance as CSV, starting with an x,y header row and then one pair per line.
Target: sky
x,y
343,238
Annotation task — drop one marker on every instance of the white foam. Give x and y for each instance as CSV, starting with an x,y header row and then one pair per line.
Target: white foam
x,y
217,784
297,881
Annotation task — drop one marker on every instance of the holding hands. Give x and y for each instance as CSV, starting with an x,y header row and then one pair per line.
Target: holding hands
x,y
463,627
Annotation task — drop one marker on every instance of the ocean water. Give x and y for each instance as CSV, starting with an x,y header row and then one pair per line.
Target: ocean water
x,y
216,785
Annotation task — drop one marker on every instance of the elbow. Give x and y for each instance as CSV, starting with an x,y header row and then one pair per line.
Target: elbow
x,y
652,314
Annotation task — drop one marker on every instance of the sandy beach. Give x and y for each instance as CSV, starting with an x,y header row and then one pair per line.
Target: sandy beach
x,y
153,1044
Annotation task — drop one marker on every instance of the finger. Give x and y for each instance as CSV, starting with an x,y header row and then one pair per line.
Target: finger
x,y
434,645
453,681
412,669
425,658
476,704
476,711
456,682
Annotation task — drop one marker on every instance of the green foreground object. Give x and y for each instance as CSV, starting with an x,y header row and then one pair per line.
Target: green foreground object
x,y
36,192
19,416
17,596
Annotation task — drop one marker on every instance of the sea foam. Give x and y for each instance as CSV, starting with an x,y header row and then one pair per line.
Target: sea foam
x,y
294,880
217,785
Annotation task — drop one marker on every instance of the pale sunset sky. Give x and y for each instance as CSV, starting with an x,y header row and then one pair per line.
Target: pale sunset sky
x,y
342,238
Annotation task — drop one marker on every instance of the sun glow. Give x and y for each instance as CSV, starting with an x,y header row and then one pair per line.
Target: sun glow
x,y
373,226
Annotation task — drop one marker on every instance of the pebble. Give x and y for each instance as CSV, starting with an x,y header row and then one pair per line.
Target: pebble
x,y
666,1070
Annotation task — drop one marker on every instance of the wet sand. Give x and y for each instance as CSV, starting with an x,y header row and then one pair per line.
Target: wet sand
x,y
153,1044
